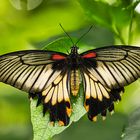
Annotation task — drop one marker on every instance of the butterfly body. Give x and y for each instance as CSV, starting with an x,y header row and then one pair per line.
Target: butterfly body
x,y
53,77
75,82
74,64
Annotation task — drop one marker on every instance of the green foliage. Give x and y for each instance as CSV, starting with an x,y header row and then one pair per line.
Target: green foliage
x,y
110,129
19,28
24,23
116,16
132,130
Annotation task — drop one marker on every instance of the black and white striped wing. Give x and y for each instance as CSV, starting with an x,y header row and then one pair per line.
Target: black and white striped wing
x,y
118,66
30,71
43,74
108,70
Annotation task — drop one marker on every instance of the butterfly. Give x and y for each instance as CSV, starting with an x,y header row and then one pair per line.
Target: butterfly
x,y
54,77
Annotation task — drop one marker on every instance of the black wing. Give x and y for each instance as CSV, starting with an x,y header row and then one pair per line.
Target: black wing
x,y
107,71
42,74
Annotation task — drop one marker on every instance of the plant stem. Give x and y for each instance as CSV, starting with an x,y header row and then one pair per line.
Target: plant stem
x,y
118,34
130,27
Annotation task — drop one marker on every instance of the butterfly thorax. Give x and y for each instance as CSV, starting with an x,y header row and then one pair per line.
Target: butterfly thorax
x,y
74,77
73,58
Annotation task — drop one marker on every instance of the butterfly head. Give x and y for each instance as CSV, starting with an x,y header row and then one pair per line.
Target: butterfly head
x,y
74,49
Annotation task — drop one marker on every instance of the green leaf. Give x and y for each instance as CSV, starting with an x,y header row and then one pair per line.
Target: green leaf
x,y
116,16
24,27
41,126
107,14
132,131
64,44
110,129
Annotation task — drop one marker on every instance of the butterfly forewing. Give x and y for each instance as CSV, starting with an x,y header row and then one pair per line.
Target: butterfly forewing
x,y
115,66
29,70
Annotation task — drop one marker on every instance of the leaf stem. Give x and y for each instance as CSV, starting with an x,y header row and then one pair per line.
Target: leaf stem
x,y
130,27
131,20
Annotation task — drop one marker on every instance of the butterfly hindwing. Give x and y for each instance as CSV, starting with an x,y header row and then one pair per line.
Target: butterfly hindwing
x,y
98,98
56,99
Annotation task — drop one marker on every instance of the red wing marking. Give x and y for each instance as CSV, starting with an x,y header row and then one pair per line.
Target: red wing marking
x,y
58,57
90,55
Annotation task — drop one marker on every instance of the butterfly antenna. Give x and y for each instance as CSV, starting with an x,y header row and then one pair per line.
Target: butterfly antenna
x,y
83,35
67,34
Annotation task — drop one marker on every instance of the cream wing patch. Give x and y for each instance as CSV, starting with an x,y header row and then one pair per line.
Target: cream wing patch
x,y
95,89
57,91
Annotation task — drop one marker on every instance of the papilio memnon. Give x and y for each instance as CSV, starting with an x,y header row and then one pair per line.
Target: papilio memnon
x,y
54,77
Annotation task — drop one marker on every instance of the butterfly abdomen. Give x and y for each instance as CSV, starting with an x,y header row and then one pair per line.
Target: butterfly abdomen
x,y
74,82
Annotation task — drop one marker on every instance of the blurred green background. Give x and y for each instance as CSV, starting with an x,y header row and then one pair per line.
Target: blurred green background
x,y
31,24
